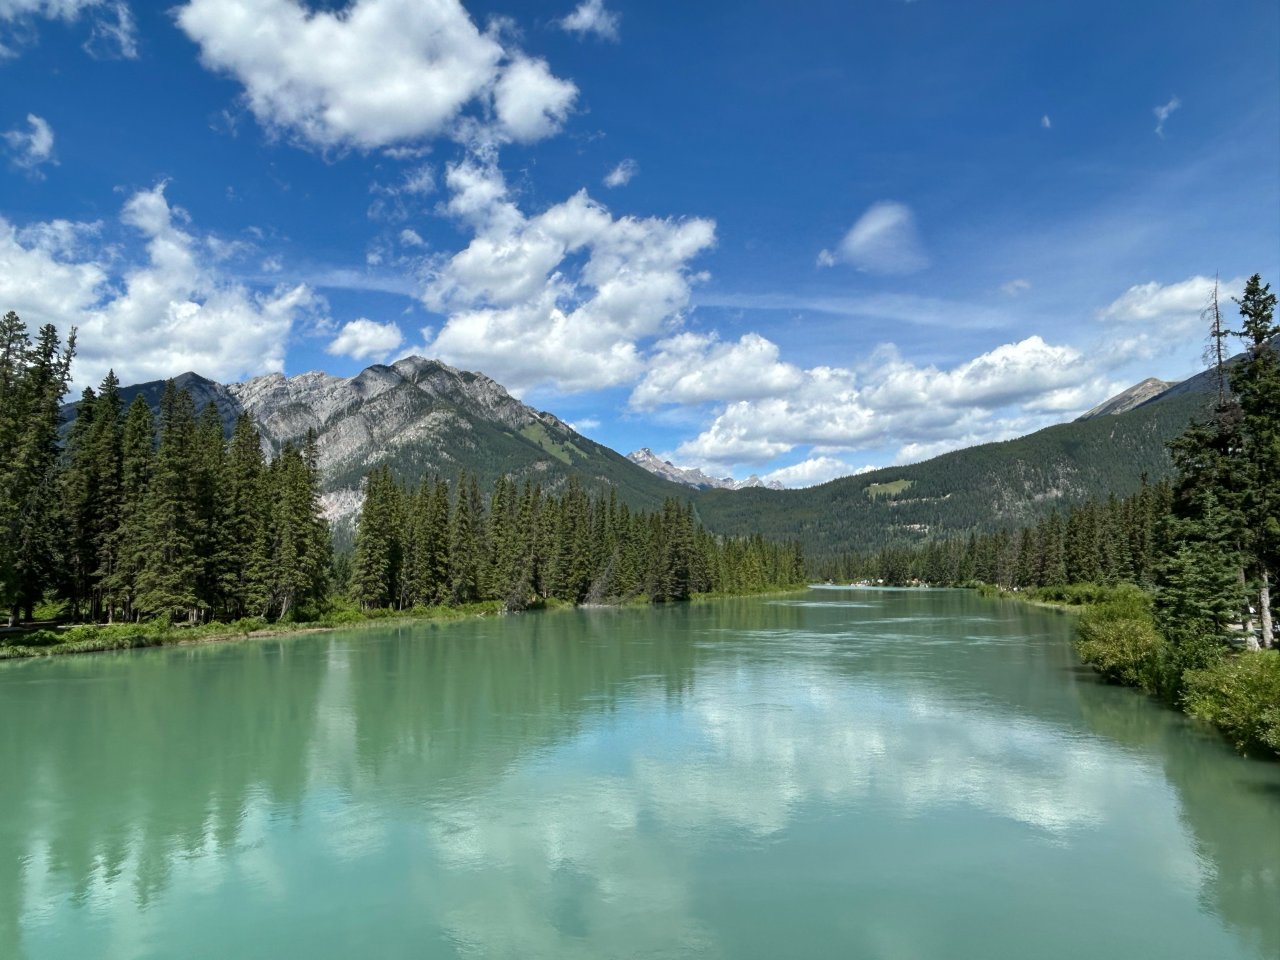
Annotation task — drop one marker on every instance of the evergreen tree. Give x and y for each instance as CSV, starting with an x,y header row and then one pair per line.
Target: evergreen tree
x,y
80,508
1257,383
127,541
105,452
171,566
375,565
33,380
242,563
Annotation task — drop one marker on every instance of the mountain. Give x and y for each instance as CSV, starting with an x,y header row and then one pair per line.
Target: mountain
x,y
988,487
647,459
1126,400
421,417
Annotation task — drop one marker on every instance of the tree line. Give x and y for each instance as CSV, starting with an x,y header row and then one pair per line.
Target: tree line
x,y
1207,542
428,544
128,516
1110,541
132,517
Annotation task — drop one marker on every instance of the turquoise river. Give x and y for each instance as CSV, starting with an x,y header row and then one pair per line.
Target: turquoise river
x,y
840,773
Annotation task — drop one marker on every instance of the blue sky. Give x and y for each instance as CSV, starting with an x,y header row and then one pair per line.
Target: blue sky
x,y
794,240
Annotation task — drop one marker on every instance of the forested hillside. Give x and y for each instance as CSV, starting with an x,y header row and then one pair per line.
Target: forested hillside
x,y
984,488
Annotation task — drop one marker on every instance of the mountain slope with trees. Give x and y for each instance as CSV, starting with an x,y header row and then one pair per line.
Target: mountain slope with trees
x,y
983,488
421,418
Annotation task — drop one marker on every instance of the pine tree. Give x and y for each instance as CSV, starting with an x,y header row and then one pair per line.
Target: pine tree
x,y
105,452
1257,383
168,579
375,565
210,508
241,562
128,541
80,508
33,380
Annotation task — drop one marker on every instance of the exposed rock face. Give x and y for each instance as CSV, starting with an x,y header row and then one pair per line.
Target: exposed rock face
x,y
693,477
422,418
1135,396
417,411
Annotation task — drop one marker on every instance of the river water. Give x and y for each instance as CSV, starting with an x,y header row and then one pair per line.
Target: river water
x,y
840,773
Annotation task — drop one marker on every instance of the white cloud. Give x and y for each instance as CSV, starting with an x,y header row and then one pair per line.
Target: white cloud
x,y
1162,113
411,238
112,27
365,339
883,240
590,17
531,103
811,472
378,73
692,368
621,175
32,147
894,401
1173,309
420,180
1015,287
114,34
1153,320
1046,123
563,298
170,313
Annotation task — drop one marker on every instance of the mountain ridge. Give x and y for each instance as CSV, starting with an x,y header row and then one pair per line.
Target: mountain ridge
x,y
694,477
422,417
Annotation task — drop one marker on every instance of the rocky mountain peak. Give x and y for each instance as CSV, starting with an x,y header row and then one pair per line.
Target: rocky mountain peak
x,y
1135,396
692,476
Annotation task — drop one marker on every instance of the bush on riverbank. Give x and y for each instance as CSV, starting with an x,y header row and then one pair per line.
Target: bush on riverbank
x,y
1238,692
1118,637
1240,696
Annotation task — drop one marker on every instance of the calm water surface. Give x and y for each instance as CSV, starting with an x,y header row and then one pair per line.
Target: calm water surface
x,y
845,773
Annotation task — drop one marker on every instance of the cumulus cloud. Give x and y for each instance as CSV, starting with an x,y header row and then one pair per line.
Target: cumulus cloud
x,y
1162,113
378,73
365,339
531,103
621,175
33,147
563,298
884,240
811,472
1173,308
1153,319
692,368
112,29
590,17
157,318
894,401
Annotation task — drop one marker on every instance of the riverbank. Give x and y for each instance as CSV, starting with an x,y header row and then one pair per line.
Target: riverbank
x,y
102,638
1236,690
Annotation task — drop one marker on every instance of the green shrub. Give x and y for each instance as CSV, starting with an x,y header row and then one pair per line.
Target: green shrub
x,y
1120,640
246,625
37,638
1091,594
1241,696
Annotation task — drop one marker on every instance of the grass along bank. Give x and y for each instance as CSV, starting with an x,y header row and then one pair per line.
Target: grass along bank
x,y
96,638
1236,690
